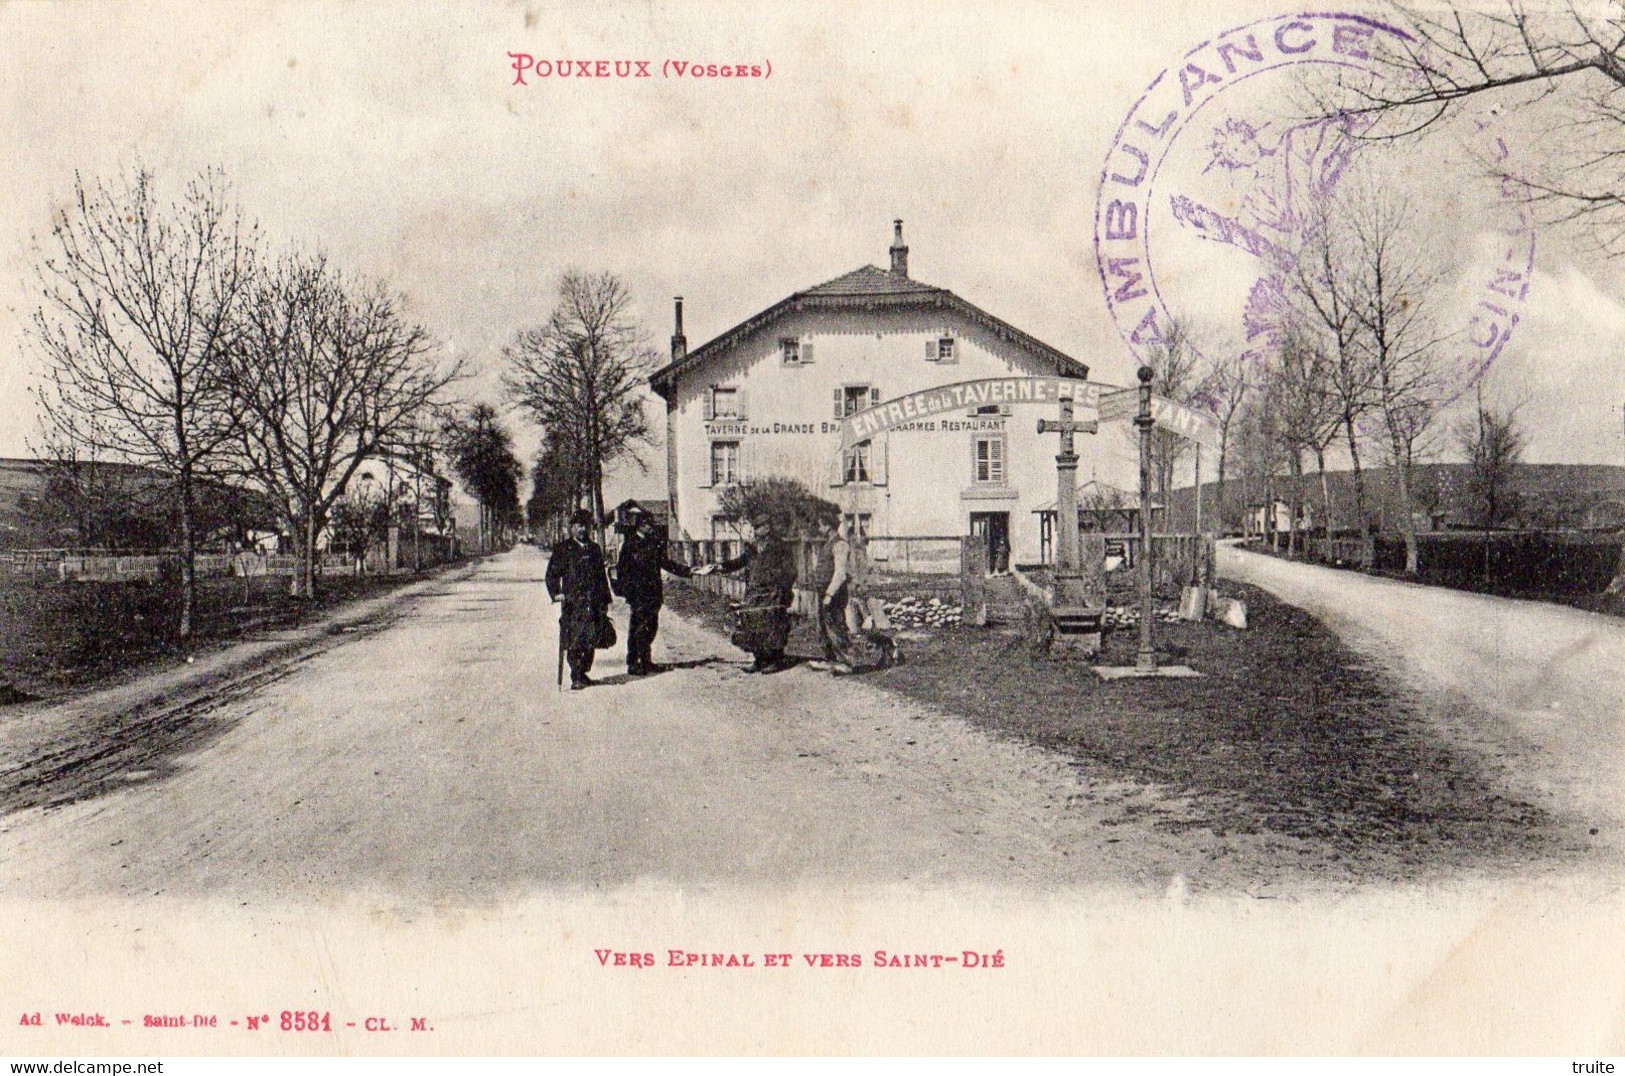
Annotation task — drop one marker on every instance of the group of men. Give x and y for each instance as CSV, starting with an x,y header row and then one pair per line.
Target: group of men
x,y
577,574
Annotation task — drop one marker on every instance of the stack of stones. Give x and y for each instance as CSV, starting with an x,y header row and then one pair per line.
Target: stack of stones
x,y
915,612
1124,616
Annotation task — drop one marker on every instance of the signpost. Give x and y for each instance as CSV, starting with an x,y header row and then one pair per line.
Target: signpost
x,y
1083,396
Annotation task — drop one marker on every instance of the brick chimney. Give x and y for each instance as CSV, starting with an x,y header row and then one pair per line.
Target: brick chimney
x,y
679,342
899,250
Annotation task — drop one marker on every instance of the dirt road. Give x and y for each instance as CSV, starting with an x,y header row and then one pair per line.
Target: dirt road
x,y
1540,685
435,759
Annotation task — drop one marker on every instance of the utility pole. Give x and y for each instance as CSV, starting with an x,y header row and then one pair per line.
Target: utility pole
x,y
1145,660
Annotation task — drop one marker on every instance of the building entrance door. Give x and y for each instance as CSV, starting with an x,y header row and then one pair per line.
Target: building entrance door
x,y
994,529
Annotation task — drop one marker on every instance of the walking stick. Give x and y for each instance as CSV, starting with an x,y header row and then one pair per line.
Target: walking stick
x,y
558,678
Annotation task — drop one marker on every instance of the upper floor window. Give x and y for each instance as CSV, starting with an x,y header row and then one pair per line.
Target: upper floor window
x,y
724,402
795,352
850,399
942,349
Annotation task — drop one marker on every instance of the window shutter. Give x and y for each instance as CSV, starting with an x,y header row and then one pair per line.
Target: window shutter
x,y
807,352
874,396
930,351
710,404
877,462
739,404
710,465
838,414
995,455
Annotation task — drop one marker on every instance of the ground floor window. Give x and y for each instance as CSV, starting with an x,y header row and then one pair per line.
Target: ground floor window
x,y
856,468
988,461
858,522
724,463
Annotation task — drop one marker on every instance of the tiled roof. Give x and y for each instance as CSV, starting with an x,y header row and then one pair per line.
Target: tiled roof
x,y
871,281
864,287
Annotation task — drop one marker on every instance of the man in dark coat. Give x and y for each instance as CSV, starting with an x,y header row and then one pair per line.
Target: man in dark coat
x,y
764,619
575,572
637,578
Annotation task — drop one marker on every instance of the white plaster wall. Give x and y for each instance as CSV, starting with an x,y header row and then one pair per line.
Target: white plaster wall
x,y
790,426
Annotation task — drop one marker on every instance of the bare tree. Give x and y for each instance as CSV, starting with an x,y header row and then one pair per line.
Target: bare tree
x,y
1261,451
1302,414
582,375
1398,287
481,453
326,374
1178,366
1325,284
139,300
1229,381
1519,55
1493,441
558,481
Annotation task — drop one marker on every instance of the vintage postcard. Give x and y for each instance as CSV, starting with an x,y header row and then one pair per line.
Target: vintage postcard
x,y
781,528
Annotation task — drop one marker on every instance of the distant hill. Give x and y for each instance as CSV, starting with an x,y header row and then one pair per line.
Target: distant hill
x,y
1545,495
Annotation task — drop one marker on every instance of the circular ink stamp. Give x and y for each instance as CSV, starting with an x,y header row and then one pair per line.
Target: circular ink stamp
x,y
1208,196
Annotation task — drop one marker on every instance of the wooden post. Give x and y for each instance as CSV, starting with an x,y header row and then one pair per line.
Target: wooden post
x,y
1198,447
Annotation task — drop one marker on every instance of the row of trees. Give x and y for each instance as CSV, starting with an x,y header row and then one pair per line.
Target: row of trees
x,y
1354,360
581,376
172,339
1359,357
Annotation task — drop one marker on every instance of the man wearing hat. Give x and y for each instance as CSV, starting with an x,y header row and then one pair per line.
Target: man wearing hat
x,y
575,572
637,578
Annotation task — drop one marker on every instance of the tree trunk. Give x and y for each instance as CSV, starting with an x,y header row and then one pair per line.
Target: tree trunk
x,y
1295,508
1407,522
307,567
1267,529
1325,494
188,556
1359,478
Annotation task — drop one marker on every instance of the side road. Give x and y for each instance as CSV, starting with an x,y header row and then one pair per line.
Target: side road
x,y
38,739
1539,685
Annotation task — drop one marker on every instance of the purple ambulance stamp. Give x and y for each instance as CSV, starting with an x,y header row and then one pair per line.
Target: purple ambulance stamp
x,y
1209,196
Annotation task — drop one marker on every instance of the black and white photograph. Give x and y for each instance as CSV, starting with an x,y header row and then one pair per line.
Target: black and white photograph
x,y
910,528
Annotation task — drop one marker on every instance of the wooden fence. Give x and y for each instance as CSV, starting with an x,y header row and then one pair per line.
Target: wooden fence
x,y
41,567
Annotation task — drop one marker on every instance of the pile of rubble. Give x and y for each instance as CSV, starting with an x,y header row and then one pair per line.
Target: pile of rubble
x,y
1125,616
914,612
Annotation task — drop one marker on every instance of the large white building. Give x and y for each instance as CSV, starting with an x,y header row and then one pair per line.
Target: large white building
x,y
767,398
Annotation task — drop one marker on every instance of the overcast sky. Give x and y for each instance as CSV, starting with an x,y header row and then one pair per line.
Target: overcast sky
x,y
391,136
